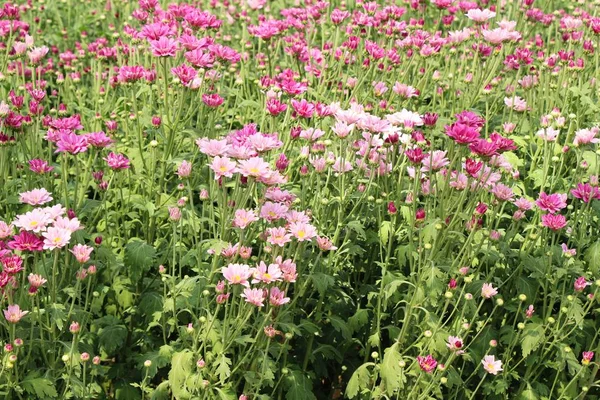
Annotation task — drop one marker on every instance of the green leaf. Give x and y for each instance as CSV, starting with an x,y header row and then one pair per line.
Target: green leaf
x,y
181,369
42,388
322,281
392,375
139,258
112,337
341,326
223,368
358,320
533,335
384,231
357,227
359,380
592,257
298,386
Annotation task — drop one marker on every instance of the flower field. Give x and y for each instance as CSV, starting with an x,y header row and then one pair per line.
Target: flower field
x,y
300,200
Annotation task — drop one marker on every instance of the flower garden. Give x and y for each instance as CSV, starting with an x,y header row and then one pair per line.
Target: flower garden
x,y
299,200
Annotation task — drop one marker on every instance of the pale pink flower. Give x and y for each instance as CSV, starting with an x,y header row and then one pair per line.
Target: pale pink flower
x,y
56,238
266,274
273,211
278,236
243,218
6,230
311,134
13,313
55,211
277,297
491,365
568,252
434,161
223,166
184,169
516,103
406,118
36,280
341,165
297,216
254,166
497,36
488,291
70,225
480,16
502,192
254,296
35,220
82,252
37,53
549,134
325,244
288,269
455,344
523,204
586,136
36,197
237,274
302,231
342,129
213,147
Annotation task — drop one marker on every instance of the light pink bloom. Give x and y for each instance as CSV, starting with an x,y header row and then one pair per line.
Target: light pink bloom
x,y
586,136
480,16
37,53
338,167
36,280
529,312
434,161
278,236
549,134
488,291
70,225
568,252
6,230
342,129
56,238
243,218
502,192
223,166
288,269
455,344
237,274
302,231
497,36
277,297
516,103
184,169
427,364
273,211
523,204
35,220
254,296
82,252
491,365
266,274
13,313
213,147
36,197
255,166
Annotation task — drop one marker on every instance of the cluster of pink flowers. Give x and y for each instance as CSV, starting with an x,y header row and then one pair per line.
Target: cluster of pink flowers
x,y
242,274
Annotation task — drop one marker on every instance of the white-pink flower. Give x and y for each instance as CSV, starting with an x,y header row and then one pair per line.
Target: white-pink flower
x,y
480,16
237,274
36,197
491,365
488,291
56,238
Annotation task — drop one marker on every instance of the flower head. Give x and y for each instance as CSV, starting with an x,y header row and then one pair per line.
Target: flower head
x,y
36,197
488,291
491,365
13,313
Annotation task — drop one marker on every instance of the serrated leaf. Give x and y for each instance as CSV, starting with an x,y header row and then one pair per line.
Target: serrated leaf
x,y
298,386
181,369
139,258
223,368
359,380
112,337
533,335
392,375
42,388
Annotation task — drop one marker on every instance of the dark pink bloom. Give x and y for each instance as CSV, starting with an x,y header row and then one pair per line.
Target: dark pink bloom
x,y
69,142
462,134
554,221
117,161
212,100
552,203
39,166
26,241
427,364
586,192
303,108
164,47
580,284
